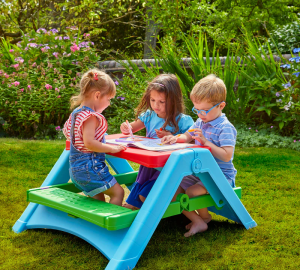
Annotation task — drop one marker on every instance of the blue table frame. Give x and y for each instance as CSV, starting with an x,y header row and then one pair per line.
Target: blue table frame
x,y
124,247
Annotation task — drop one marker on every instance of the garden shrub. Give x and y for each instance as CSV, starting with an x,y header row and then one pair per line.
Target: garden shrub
x,y
264,137
38,77
285,38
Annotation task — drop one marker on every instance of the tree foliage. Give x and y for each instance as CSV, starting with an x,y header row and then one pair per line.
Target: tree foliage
x,y
120,25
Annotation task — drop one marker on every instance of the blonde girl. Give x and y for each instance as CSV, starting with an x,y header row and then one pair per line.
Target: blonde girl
x,y
85,129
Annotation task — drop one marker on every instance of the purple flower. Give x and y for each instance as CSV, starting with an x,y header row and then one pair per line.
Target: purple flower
x,y
41,29
84,44
287,85
277,94
66,37
120,97
32,45
294,140
19,59
54,30
296,74
57,128
249,127
116,83
256,130
271,126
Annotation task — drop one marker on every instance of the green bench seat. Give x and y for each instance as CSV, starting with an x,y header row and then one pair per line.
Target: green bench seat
x,y
65,198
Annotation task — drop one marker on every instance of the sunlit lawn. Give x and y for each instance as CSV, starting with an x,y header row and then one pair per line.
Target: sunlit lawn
x,y
270,182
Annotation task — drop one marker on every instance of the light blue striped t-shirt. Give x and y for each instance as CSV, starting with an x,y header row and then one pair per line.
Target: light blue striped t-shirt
x,y
221,133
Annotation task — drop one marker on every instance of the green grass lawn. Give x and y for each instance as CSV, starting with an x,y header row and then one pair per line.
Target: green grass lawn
x,y
270,182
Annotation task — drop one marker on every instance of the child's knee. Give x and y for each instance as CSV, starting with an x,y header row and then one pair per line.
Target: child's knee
x,y
118,191
142,198
195,190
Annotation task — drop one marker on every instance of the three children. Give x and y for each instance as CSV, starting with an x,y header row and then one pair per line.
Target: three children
x,y
161,112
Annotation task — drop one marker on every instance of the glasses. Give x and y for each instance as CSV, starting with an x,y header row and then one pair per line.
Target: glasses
x,y
203,112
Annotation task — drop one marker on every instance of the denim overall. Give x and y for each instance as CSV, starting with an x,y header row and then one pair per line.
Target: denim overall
x,y
88,171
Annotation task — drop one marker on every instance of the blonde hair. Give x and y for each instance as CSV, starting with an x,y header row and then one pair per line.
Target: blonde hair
x,y
210,88
169,85
95,80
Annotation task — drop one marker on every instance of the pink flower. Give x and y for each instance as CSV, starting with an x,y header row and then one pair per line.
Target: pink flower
x,y
57,90
57,128
256,130
29,86
15,66
11,50
58,96
74,48
294,140
16,83
55,54
34,64
6,75
48,86
22,89
16,102
249,127
271,126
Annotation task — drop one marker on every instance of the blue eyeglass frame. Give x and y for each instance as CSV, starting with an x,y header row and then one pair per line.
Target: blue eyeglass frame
x,y
203,112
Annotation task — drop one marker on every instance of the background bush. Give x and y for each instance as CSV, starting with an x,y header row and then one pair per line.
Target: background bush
x,y
38,77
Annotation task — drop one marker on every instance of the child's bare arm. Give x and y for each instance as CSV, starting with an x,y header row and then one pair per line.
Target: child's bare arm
x,y
222,153
88,134
136,126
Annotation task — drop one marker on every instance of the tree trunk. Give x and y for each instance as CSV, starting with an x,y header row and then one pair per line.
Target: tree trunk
x,y
150,36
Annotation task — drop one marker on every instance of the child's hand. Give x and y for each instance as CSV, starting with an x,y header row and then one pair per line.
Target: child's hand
x,y
118,148
124,128
199,136
161,133
169,139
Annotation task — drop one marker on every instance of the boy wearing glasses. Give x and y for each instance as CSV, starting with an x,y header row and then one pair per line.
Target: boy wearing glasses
x,y
212,129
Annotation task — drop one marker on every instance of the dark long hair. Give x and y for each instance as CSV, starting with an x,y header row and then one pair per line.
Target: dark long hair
x,y
169,85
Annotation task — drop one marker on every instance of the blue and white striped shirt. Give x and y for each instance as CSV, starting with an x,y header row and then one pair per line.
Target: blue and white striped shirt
x,y
221,133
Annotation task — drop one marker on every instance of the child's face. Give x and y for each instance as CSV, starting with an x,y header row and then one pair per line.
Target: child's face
x,y
213,114
158,103
101,102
